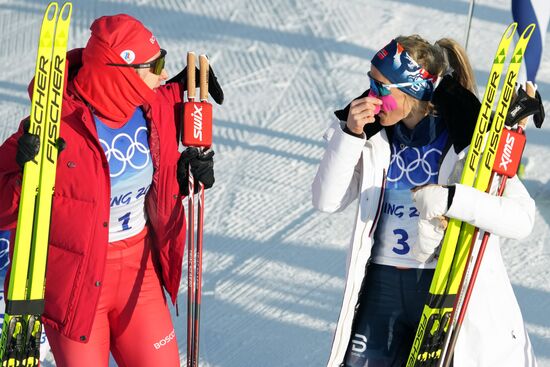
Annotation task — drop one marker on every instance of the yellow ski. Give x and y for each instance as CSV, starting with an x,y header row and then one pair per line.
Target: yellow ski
x,y
22,328
434,322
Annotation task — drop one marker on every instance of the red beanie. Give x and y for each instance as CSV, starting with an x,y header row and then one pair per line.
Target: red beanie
x,y
115,92
127,37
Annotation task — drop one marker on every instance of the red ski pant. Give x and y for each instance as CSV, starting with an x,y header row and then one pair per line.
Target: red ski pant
x,y
132,318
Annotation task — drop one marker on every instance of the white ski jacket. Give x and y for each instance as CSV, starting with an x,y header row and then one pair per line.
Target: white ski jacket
x,y
493,333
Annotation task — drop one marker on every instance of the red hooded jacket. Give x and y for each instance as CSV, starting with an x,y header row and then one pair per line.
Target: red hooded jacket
x,y
80,212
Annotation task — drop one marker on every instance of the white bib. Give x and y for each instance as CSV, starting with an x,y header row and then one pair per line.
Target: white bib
x,y
397,229
131,172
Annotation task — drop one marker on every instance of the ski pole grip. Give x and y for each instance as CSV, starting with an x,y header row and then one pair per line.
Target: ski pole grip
x,y
197,116
204,66
191,82
530,90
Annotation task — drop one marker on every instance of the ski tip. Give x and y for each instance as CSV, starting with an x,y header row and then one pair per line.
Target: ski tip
x,y
511,30
51,11
528,31
66,11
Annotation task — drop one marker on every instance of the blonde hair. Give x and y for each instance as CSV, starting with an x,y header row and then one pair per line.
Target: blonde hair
x,y
438,59
458,60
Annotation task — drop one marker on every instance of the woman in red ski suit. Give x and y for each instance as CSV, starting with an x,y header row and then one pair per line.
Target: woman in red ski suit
x,y
118,225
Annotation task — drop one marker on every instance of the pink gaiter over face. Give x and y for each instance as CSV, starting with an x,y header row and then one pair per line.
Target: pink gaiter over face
x,y
388,103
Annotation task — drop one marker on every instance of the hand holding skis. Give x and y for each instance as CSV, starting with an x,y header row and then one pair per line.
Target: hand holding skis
x,y
432,202
28,145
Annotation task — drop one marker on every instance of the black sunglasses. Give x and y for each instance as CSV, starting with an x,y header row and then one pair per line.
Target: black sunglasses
x,y
156,66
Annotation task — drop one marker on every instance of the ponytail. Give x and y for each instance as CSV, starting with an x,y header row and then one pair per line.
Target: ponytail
x,y
458,60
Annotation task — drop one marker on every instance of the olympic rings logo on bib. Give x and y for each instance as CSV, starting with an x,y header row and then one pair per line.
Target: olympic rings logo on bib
x,y
4,254
125,150
413,167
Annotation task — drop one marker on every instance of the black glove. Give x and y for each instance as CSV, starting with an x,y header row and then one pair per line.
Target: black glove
x,y
523,106
28,145
459,108
202,168
214,88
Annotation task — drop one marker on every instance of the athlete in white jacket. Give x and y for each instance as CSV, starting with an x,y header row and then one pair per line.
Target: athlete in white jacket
x,y
410,129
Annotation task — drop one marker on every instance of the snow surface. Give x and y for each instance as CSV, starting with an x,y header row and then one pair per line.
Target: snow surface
x,y
273,267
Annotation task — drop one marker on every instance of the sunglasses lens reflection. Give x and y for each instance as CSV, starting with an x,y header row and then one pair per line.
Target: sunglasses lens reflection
x,y
158,66
378,88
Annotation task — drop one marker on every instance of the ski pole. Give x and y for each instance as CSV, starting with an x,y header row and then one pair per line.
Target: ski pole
x,y
191,93
470,285
197,132
469,24
203,82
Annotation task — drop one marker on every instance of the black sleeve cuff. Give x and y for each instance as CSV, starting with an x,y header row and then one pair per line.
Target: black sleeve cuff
x,y
450,197
348,131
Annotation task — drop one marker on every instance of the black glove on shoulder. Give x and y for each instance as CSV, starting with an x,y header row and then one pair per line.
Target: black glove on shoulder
x,y
28,145
202,168
214,88
523,106
459,108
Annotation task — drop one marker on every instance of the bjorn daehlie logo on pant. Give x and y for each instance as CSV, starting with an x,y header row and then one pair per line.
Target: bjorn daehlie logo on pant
x,y
197,122
167,339
359,344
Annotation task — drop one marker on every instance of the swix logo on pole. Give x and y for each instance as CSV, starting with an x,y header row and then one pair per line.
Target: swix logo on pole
x,y
197,116
509,153
197,122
